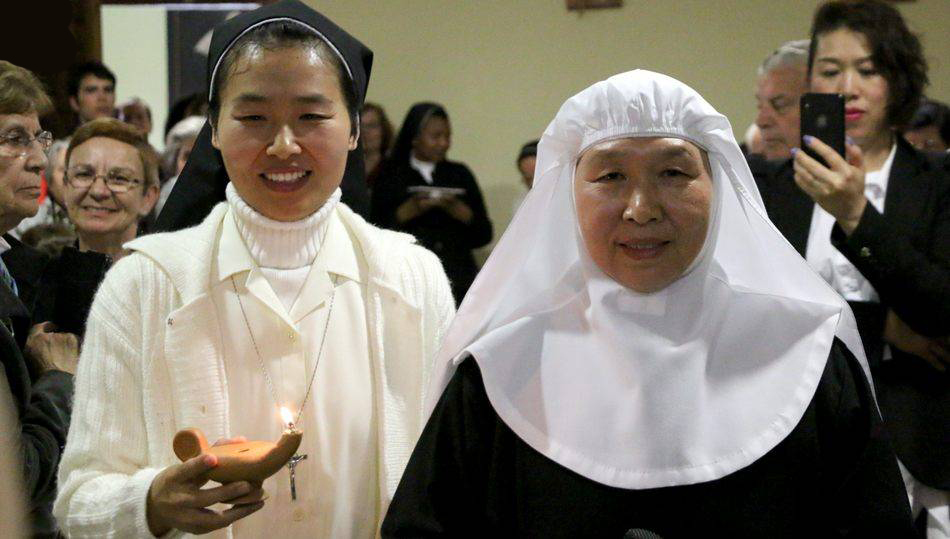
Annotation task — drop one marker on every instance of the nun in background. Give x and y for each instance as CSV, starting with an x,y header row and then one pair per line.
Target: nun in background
x,y
644,351
281,297
438,201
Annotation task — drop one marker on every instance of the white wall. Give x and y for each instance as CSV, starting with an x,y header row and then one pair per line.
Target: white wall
x,y
135,48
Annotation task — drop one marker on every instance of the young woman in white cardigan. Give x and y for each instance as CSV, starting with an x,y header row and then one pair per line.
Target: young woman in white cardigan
x,y
282,296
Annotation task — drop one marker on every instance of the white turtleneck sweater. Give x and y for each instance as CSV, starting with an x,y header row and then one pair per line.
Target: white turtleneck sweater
x,y
287,275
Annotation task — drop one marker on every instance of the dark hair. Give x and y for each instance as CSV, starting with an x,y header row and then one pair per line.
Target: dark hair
x,y
530,149
384,122
416,119
21,92
92,67
895,50
123,132
932,113
281,35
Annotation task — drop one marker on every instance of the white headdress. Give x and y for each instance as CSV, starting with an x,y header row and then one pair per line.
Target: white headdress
x,y
639,391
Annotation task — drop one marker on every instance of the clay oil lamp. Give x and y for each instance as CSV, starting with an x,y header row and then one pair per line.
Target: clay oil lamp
x,y
252,461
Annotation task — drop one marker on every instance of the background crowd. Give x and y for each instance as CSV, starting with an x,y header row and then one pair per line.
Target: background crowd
x,y
874,224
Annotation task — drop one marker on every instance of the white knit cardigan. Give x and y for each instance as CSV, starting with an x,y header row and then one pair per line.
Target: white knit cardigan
x,y
151,364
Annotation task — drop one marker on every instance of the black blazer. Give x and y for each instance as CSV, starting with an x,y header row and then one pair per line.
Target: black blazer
x,y
26,265
905,254
43,405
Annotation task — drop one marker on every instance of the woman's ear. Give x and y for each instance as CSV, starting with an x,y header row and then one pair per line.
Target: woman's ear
x,y
354,138
150,198
214,136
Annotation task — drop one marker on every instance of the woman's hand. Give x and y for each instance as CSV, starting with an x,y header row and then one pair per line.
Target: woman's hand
x,y
457,208
936,352
177,501
838,189
52,351
413,207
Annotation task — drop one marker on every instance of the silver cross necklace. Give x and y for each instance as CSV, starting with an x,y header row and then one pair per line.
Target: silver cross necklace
x,y
296,459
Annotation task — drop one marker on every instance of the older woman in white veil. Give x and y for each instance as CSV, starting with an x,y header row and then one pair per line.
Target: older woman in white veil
x,y
644,350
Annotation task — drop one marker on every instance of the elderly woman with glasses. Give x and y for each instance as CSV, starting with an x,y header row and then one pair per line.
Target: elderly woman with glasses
x,y
111,184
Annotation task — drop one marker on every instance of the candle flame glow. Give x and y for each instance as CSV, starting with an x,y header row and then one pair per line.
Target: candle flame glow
x,y
287,416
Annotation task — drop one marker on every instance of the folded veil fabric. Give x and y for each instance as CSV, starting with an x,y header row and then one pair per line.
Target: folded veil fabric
x,y
202,182
684,385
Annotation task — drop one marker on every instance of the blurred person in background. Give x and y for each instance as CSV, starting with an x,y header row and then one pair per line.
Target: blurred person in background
x,y
52,210
111,185
376,132
752,142
39,371
527,158
136,112
780,85
178,144
929,129
875,225
436,200
91,90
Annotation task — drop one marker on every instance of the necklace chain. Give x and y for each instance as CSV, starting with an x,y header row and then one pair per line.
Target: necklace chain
x,y
260,358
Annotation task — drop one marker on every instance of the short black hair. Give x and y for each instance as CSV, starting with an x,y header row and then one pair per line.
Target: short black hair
x,y
79,72
895,50
281,35
932,113
530,149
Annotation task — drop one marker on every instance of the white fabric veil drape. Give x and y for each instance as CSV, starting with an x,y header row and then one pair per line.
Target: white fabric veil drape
x,y
639,391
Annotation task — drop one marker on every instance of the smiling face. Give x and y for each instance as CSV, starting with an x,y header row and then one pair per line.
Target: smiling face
x,y
777,94
96,211
843,65
433,140
284,131
20,174
643,206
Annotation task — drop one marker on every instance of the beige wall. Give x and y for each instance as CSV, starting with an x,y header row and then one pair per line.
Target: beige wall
x,y
503,67
141,68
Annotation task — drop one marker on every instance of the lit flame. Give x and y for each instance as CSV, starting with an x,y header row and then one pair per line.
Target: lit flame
x,y
287,416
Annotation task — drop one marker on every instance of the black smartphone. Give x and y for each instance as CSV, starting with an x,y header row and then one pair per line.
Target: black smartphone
x,y
822,116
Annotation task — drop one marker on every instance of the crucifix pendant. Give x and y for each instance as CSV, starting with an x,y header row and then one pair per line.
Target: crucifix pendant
x,y
292,465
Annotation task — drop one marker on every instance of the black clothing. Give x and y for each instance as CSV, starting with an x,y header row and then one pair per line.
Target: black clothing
x,y
833,476
905,255
43,405
450,239
68,287
26,265
201,184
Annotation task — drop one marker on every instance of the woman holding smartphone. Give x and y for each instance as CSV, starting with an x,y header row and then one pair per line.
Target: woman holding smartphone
x,y
875,224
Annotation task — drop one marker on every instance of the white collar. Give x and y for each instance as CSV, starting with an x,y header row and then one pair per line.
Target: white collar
x,y
278,244
425,168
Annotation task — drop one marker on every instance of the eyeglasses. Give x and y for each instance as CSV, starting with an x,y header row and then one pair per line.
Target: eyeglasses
x,y
18,143
117,180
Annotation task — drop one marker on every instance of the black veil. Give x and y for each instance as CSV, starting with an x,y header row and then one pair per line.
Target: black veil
x,y
202,183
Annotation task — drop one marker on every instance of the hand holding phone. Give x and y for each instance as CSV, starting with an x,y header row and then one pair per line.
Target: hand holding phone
x,y
834,182
822,117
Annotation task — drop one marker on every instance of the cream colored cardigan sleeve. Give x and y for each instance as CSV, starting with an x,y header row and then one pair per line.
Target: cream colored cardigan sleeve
x,y
107,468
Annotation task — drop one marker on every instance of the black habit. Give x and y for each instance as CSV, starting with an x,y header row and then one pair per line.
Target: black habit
x,y
450,239
202,182
905,254
833,476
